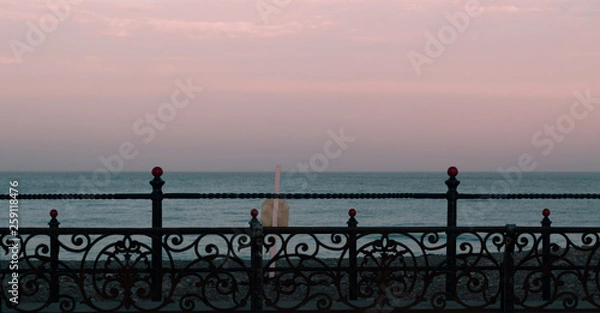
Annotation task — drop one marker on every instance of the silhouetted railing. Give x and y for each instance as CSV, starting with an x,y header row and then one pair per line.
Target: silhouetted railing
x,y
316,268
494,269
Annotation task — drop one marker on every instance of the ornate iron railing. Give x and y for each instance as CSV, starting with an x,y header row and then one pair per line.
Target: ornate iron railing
x,y
223,269
495,269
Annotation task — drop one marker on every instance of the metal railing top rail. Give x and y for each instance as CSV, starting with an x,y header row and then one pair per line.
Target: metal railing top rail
x,y
296,230
147,196
157,192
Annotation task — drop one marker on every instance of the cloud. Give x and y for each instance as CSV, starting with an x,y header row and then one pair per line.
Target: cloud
x,y
515,9
562,7
21,11
125,27
225,29
8,60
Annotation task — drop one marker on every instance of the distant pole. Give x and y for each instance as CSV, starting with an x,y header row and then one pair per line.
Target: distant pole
x,y
275,209
276,200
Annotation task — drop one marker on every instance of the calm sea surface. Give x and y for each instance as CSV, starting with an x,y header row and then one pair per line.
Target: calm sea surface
x,y
235,213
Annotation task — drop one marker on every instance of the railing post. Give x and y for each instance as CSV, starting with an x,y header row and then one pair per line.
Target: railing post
x,y
157,197
451,196
508,270
256,263
54,279
546,284
352,223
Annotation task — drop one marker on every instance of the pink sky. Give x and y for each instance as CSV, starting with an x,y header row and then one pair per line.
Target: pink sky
x,y
274,90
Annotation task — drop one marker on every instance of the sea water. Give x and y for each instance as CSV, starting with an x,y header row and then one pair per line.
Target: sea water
x,y
309,212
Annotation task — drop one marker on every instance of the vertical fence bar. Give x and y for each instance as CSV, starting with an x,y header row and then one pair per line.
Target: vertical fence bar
x,y
352,223
451,197
508,270
54,279
546,284
256,263
157,198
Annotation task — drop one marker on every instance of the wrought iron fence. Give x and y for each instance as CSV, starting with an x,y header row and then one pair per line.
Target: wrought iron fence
x,y
495,269
436,269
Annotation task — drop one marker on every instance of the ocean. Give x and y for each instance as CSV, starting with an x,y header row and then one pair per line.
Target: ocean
x,y
314,212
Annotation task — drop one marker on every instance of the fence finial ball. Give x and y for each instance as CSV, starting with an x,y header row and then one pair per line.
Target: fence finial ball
x,y
157,171
254,212
452,171
352,212
53,213
546,212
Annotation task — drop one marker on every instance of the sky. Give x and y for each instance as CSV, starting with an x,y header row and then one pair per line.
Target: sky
x,y
313,85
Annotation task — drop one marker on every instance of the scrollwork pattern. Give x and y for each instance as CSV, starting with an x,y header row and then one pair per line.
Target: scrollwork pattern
x,y
326,269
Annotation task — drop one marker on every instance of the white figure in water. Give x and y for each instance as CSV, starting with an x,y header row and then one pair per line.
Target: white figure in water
x,y
266,213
